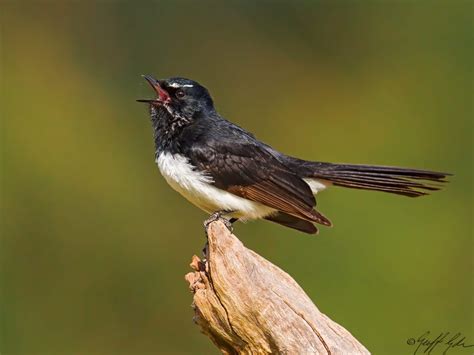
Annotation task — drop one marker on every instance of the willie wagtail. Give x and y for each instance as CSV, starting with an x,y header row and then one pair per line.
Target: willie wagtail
x,y
225,170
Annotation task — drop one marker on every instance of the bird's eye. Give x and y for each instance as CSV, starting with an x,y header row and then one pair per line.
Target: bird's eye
x,y
180,94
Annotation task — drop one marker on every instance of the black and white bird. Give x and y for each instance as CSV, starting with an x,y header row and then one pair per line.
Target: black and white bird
x,y
226,171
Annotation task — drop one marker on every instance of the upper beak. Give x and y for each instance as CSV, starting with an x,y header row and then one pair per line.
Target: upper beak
x,y
162,95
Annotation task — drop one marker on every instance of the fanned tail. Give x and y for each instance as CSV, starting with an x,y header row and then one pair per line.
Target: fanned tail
x,y
400,181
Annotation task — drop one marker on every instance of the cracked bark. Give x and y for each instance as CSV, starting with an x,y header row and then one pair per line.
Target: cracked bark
x,y
247,305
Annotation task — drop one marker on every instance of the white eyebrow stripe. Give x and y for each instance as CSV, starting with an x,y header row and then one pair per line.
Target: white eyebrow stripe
x,y
176,85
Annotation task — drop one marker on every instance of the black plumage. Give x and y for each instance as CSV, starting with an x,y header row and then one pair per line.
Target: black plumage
x,y
185,123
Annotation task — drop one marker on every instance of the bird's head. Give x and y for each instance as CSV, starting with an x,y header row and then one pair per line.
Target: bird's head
x,y
182,98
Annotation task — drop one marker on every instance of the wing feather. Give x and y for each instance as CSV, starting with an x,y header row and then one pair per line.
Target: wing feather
x,y
251,172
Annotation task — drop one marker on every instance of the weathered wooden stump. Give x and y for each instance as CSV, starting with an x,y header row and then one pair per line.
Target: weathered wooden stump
x,y
247,305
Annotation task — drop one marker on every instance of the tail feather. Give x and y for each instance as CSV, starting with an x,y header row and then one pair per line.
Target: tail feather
x,y
401,181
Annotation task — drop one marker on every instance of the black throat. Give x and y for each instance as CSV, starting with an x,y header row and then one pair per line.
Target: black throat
x,y
165,129
168,130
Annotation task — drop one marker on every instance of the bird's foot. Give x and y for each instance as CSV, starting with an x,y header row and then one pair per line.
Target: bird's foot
x,y
228,224
219,216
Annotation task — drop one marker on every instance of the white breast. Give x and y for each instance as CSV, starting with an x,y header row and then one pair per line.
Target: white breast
x,y
198,189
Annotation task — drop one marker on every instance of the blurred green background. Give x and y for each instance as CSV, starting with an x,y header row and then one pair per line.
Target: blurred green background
x,y
95,244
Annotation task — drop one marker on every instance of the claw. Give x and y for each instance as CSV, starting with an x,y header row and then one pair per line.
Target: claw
x,y
216,216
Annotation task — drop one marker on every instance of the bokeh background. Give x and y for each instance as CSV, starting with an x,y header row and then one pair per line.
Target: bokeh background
x,y
95,244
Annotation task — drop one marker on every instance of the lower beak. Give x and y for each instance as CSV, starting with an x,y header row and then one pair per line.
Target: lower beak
x,y
148,101
162,95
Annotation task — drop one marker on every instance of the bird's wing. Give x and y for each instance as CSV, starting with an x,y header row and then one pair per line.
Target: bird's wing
x,y
250,171
293,222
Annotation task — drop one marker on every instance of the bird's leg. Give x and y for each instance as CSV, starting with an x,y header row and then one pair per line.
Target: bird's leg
x,y
212,218
218,215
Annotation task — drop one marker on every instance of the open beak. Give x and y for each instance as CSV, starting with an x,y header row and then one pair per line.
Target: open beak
x,y
161,95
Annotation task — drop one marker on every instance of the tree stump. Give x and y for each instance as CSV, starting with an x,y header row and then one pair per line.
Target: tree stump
x,y
247,305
